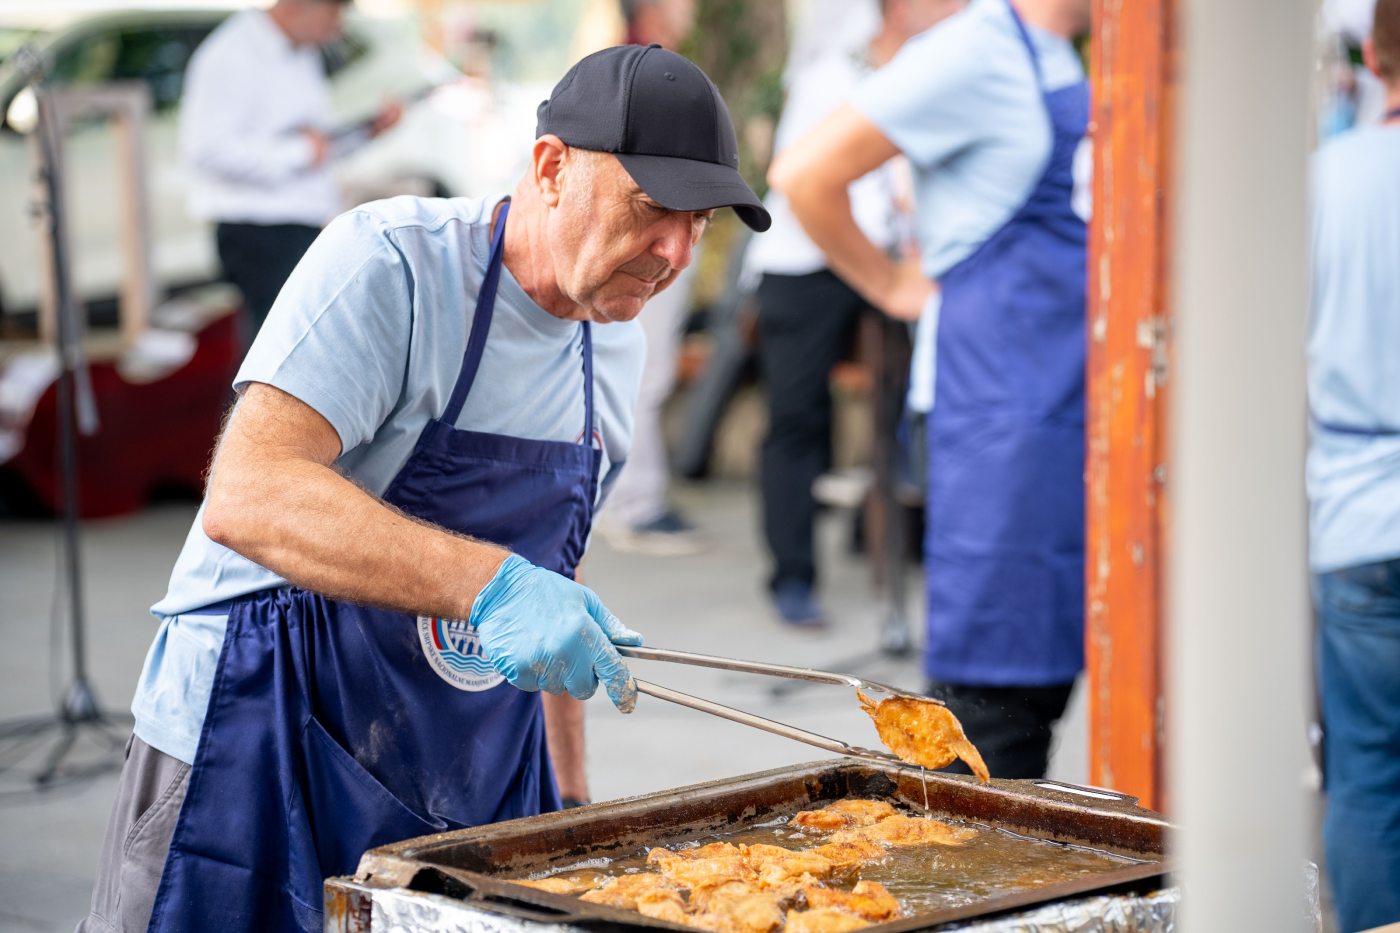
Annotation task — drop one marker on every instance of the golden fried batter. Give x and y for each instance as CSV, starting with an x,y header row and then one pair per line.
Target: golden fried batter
x,y
868,899
922,732
704,872
909,831
843,814
851,853
661,904
777,866
823,920
742,913
624,890
574,883
713,850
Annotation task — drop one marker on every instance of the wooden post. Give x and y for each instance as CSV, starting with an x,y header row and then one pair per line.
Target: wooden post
x,y
1134,85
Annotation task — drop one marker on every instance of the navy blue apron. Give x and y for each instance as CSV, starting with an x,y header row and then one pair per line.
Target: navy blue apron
x,y
333,728
1004,547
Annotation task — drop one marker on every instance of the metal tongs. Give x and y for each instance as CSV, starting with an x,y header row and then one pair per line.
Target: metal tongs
x,y
770,670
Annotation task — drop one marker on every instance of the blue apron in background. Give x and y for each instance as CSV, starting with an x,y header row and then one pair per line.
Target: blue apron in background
x,y
333,728
1004,547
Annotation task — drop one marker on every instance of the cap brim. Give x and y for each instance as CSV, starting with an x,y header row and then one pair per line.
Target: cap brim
x,y
691,185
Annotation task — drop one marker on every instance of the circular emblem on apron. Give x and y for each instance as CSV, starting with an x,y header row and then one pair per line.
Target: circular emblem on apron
x,y
453,649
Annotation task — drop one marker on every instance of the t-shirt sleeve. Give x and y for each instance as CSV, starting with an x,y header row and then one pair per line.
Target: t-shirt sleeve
x,y
338,336
927,99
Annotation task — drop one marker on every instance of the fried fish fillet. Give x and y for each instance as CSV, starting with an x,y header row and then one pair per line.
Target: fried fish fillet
x,y
868,899
575,883
624,890
713,850
823,920
843,814
850,853
907,831
759,912
663,904
776,866
922,732
704,872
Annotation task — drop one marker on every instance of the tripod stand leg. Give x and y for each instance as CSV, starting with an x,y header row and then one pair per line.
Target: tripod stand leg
x,y
57,754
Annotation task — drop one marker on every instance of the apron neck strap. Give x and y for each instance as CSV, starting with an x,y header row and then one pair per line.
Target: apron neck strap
x,y
587,384
481,327
481,319
1030,45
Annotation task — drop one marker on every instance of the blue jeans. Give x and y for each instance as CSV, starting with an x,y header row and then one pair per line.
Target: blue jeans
x,y
1358,656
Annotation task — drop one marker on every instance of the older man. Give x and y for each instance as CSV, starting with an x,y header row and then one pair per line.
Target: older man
x,y
379,580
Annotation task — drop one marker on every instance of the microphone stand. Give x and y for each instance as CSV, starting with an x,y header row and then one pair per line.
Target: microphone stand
x,y
79,711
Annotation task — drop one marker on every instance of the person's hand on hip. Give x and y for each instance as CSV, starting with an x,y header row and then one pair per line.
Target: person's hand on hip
x,y
543,631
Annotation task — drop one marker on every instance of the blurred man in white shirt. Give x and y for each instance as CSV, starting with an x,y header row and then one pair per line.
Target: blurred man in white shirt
x,y
254,136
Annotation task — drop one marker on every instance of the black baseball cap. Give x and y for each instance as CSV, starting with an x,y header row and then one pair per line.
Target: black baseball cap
x,y
664,120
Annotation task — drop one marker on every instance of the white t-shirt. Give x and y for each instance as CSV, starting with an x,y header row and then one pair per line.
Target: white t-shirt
x,y
370,331
816,90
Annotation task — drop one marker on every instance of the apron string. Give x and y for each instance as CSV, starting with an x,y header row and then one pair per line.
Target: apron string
x,y
481,320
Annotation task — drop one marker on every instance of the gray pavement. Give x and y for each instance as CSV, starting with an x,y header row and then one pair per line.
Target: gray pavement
x,y
712,603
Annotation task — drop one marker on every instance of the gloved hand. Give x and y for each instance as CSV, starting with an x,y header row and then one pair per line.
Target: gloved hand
x,y
543,631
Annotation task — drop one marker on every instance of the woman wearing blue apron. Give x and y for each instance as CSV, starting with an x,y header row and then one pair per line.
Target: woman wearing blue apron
x,y
967,103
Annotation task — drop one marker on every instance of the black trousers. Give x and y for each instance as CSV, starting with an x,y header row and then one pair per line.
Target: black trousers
x,y
1011,726
805,325
258,258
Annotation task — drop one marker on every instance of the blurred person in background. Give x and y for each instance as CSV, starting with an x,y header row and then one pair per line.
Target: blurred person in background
x,y
254,128
640,517
1354,492
807,314
381,578
990,107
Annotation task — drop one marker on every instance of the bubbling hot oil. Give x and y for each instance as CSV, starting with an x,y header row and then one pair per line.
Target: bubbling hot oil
x,y
923,878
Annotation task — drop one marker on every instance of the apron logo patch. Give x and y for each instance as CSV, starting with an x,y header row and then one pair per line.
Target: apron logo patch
x,y
453,649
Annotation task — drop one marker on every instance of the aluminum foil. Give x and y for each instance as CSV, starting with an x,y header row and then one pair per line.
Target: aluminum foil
x,y
1136,913
409,912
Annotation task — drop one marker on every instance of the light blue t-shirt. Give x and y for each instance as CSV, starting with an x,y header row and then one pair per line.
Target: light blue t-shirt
x,y
1354,350
962,103
370,331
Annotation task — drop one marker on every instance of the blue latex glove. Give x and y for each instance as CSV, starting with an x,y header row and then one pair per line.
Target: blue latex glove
x,y
543,631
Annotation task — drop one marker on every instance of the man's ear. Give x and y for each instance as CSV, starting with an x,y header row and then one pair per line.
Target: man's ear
x,y
1368,56
547,160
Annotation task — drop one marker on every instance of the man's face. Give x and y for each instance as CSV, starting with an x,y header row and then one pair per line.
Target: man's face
x,y
316,22
613,247
921,15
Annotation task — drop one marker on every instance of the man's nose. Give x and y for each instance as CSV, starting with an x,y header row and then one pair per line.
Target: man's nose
x,y
676,240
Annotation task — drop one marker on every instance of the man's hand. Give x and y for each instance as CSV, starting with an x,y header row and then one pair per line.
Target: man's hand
x,y
320,145
384,121
908,291
542,631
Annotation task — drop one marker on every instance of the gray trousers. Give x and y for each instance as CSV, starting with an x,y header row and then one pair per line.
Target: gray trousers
x,y
150,793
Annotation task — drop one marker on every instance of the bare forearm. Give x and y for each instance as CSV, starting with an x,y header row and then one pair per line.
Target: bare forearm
x,y
304,521
825,213
563,721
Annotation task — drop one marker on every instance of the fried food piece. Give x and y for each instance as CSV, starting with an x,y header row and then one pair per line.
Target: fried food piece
x,y
843,814
868,899
851,853
922,732
823,920
760,912
662,904
777,866
908,831
573,883
624,890
713,850
704,872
